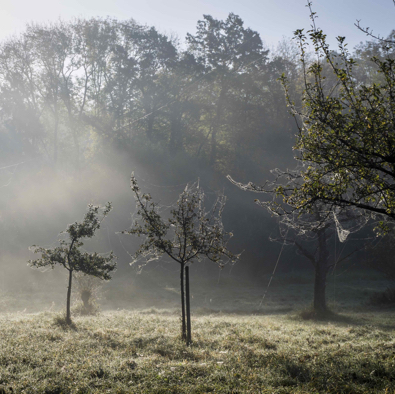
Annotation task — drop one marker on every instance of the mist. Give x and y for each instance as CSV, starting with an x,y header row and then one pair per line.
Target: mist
x,y
86,103
254,247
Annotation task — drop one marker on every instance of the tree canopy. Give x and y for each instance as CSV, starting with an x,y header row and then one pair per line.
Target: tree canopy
x,y
346,136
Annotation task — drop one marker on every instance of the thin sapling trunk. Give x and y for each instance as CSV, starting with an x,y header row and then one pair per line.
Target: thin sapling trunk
x,y
183,325
188,302
68,312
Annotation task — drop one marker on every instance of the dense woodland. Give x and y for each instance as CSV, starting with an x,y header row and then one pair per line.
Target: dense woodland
x,y
85,103
72,90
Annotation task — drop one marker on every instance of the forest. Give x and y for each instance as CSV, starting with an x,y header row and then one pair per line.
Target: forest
x,y
252,188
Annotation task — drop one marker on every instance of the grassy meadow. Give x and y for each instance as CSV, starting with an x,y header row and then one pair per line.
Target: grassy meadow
x,y
240,345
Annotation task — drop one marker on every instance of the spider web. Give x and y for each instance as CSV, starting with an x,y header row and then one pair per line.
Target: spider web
x,y
341,232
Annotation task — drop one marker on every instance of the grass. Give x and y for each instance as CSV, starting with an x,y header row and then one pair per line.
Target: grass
x,y
141,352
241,343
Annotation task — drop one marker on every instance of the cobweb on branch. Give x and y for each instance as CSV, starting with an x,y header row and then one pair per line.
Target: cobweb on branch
x,y
341,232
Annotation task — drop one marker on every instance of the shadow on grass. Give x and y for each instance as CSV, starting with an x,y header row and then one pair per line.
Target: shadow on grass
x,y
204,311
369,317
61,321
345,375
329,316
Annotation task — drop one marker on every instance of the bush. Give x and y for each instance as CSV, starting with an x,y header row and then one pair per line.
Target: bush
x,y
88,290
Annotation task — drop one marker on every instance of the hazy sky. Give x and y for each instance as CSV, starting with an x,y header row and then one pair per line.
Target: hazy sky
x,y
271,18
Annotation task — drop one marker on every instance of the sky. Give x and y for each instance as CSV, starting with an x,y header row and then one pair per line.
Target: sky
x,y
273,19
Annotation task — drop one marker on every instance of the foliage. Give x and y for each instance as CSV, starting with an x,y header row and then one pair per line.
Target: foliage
x,y
69,255
346,132
190,233
130,86
233,61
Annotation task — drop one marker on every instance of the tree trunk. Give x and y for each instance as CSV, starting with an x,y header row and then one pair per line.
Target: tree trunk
x,y
216,126
77,152
175,132
74,126
321,268
183,325
319,289
55,140
150,126
189,335
68,313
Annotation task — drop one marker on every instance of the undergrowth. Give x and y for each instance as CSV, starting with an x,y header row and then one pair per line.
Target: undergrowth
x,y
134,352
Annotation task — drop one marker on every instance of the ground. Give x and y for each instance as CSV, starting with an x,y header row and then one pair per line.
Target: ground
x,y
268,348
141,352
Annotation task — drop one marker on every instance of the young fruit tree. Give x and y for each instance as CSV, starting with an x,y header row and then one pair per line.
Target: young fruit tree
x,y
190,233
68,254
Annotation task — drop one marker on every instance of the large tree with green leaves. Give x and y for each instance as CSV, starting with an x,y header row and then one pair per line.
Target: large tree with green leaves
x,y
346,134
69,255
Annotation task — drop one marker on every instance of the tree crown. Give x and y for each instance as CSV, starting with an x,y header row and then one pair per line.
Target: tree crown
x,y
189,233
68,254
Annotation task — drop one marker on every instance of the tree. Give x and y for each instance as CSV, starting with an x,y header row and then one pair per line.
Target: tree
x,y
346,134
190,233
367,71
51,47
228,52
19,97
309,232
68,254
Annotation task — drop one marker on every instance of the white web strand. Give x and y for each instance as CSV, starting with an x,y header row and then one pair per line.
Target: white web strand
x,y
341,232
274,271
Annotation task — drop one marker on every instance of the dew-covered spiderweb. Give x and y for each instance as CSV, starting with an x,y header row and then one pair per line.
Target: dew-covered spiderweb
x,y
341,232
